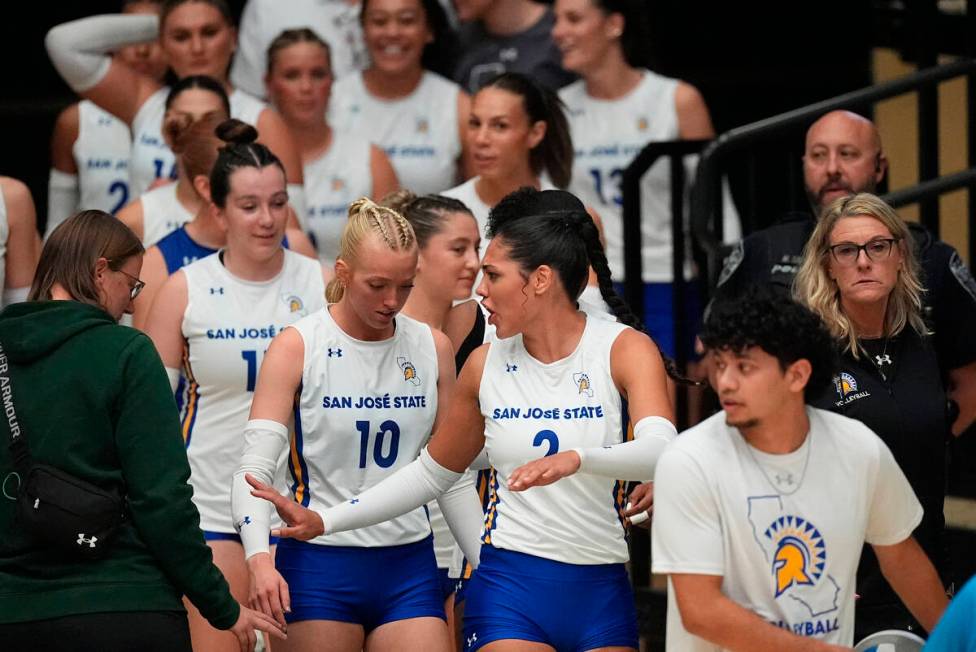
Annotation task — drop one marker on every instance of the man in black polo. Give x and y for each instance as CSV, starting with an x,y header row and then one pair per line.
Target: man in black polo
x,y
843,156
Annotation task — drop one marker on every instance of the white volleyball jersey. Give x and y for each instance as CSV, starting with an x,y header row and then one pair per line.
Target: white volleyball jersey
x,y
419,132
162,213
333,181
151,157
533,409
101,154
228,325
365,410
607,135
245,107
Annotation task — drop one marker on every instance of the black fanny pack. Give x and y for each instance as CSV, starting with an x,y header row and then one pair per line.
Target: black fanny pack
x,y
56,508
62,511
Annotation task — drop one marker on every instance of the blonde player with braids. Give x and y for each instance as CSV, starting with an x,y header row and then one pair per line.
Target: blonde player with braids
x,y
364,388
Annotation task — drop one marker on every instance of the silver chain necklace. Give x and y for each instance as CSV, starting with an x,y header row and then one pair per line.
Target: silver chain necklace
x,y
878,361
789,476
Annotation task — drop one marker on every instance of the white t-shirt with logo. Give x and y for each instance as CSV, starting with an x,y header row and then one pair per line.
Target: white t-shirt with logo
x,y
784,532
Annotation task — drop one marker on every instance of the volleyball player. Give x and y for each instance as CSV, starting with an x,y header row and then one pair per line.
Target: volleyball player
x,y
198,145
398,102
215,318
339,167
546,400
364,386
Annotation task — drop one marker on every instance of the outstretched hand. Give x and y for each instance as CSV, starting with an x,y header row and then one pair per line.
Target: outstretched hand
x,y
300,522
544,470
250,620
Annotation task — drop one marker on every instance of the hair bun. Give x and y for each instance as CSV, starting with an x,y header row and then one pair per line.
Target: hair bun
x,y
236,132
398,200
176,126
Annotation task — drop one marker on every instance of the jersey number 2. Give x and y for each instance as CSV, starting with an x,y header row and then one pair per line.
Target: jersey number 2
x,y
547,437
386,428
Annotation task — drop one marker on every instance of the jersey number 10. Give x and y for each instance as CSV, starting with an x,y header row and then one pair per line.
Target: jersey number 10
x,y
379,443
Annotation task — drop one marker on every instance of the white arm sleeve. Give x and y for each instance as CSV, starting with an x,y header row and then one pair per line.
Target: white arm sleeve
x,y
79,50
462,511
296,197
62,199
632,460
15,295
263,442
414,485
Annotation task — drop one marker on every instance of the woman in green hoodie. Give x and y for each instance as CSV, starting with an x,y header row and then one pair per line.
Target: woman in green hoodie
x,y
93,399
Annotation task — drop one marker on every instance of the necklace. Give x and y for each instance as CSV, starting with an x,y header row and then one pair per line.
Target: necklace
x,y
786,478
878,361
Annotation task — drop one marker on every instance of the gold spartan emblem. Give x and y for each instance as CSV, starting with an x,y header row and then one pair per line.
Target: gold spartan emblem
x,y
642,124
583,383
409,371
295,304
422,126
337,184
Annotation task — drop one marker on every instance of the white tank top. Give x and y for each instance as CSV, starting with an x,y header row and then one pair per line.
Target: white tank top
x,y
162,213
245,107
533,409
419,132
228,325
607,135
151,157
365,410
333,181
101,154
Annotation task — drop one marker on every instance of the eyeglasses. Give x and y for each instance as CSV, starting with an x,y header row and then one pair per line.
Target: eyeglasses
x,y
136,286
847,253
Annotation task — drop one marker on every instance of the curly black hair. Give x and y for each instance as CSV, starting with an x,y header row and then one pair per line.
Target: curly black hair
x,y
779,326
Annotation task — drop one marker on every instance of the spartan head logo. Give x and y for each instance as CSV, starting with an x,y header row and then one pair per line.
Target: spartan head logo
x,y
582,381
800,554
845,384
409,371
294,303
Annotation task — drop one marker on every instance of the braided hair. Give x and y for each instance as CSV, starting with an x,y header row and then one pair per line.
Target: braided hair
x,y
552,227
426,213
367,217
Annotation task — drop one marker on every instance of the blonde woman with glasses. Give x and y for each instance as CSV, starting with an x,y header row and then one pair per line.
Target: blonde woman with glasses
x,y
860,274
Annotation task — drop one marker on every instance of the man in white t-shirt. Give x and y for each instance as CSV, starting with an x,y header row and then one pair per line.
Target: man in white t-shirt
x,y
761,511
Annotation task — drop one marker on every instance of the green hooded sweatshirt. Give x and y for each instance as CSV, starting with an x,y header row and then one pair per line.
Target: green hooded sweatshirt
x,y
92,398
